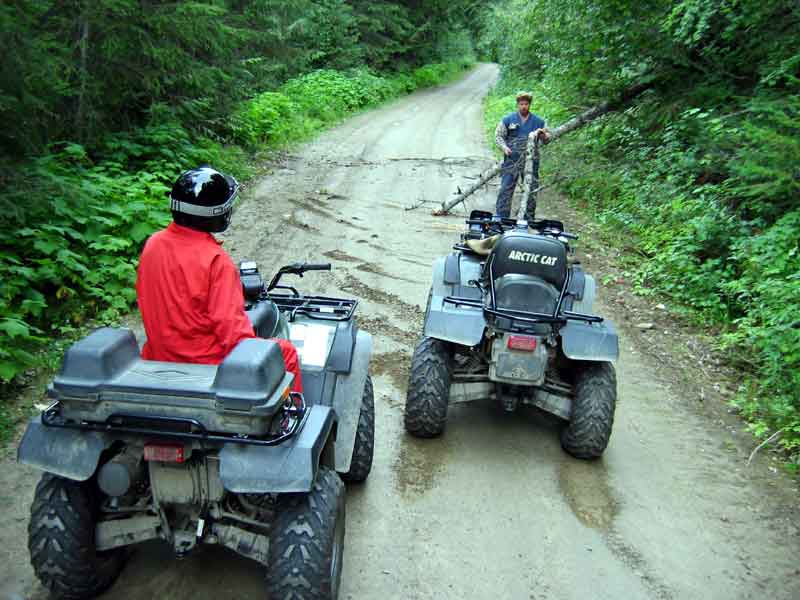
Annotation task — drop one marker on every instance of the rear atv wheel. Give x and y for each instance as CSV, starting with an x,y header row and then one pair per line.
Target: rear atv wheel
x,y
361,462
307,542
429,388
61,540
592,418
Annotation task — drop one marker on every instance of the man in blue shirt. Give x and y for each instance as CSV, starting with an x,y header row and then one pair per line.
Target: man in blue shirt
x,y
511,137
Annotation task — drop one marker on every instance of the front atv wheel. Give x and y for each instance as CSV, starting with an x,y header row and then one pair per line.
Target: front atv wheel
x,y
592,418
429,388
307,542
361,463
61,540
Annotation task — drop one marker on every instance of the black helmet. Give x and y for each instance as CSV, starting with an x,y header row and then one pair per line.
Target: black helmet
x,y
203,199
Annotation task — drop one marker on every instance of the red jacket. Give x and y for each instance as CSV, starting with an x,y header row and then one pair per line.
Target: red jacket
x,y
191,300
190,297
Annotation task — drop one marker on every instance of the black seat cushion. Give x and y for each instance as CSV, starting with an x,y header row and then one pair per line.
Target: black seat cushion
x,y
523,253
525,293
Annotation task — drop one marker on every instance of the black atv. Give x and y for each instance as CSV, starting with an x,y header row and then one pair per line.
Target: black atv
x,y
510,318
135,450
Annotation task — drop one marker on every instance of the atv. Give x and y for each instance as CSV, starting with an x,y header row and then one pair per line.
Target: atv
x,y
192,454
509,317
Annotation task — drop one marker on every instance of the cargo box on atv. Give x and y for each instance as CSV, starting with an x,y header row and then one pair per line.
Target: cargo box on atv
x,y
103,377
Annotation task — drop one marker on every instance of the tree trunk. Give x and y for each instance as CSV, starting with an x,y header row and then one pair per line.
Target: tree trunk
x,y
83,44
571,125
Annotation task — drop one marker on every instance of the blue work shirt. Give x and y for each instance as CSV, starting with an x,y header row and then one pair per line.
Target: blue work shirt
x,y
517,132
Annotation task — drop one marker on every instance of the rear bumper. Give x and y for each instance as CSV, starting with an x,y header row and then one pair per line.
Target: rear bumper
x,y
290,466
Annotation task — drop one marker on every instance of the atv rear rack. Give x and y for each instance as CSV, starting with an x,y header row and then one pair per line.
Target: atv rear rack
x,y
558,316
314,307
521,315
168,427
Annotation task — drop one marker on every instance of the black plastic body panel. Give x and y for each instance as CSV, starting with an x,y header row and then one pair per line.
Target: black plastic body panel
x,y
529,254
525,293
264,317
340,358
577,282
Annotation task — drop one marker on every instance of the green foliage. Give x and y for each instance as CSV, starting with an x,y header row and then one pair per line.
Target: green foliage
x,y
437,73
305,104
76,70
71,253
700,173
106,101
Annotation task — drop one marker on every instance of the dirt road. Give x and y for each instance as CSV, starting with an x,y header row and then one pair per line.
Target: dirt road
x,y
494,508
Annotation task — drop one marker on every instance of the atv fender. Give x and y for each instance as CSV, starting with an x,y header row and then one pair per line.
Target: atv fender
x,y
288,467
65,452
347,396
446,321
590,341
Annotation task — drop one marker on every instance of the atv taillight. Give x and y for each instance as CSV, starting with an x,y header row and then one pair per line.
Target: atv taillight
x,y
164,452
525,343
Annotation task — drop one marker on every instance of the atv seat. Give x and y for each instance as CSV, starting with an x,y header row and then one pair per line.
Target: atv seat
x,y
525,293
264,317
529,272
522,253
103,375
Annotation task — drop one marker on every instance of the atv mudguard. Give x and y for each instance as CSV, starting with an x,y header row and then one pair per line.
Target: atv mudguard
x,y
347,395
462,325
65,452
337,380
288,467
590,341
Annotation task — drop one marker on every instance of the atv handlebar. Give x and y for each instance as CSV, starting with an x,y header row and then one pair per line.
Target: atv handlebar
x,y
493,225
317,266
296,269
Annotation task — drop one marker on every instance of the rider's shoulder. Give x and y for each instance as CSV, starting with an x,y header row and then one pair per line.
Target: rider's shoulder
x,y
510,118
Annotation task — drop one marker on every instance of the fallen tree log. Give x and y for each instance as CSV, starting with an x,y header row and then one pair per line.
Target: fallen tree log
x,y
580,120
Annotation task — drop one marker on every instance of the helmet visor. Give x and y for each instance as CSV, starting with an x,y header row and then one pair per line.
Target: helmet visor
x,y
208,211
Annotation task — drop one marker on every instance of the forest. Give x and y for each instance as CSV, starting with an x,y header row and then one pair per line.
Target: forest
x,y
105,101
698,176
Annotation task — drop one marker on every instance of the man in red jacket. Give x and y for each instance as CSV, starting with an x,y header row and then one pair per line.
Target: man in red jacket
x,y
188,288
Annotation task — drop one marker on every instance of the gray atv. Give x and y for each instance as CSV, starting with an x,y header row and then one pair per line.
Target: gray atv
x,y
190,454
510,318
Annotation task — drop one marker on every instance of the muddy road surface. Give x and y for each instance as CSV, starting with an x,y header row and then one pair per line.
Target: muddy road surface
x,y
494,508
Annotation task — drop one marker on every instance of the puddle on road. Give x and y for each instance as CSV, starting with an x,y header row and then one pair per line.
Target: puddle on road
x,y
418,464
584,485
